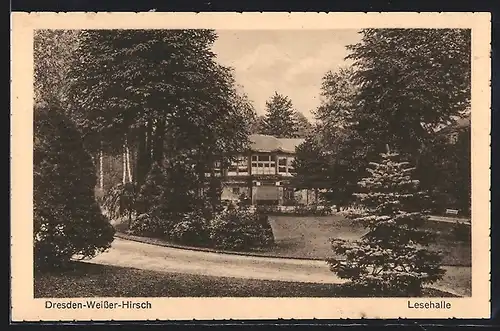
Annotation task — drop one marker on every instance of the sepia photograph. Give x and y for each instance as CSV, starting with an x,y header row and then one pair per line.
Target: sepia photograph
x,y
274,163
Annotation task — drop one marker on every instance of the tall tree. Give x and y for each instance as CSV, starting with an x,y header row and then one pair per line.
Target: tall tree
x,y
310,165
445,168
338,99
343,150
280,117
410,81
161,89
392,258
257,126
304,127
403,84
53,52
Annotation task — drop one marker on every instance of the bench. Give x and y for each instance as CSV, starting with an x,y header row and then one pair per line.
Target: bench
x,y
451,212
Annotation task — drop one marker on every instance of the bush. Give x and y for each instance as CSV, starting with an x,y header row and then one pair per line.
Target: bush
x,y
67,219
149,226
240,230
120,201
191,230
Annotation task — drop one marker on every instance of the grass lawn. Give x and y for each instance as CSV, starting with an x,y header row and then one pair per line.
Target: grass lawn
x,y
308,237
93,280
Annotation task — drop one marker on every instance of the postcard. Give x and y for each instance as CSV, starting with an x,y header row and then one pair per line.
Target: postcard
x,y
216,166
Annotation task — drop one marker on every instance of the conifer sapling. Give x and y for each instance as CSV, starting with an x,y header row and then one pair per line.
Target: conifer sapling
x,y
392,258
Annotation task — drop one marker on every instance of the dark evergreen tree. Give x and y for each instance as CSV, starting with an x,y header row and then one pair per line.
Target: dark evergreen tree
x,y
304,127
311,166
257,126
67,218
280,117
392,258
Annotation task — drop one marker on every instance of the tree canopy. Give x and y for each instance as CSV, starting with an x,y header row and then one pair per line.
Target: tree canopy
x,y
280,115
410,82
402,86
53,52
162,90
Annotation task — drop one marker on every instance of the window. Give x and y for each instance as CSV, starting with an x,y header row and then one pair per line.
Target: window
x,y
282,161
282,169
254,157
266,165
236,190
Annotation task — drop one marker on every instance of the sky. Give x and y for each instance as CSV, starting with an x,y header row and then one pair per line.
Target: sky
x,y
289,62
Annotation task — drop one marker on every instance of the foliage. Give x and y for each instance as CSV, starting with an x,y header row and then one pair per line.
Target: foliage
x,y
445,170
192,229
120,201
338,99
392,257
302,210
310,165
462,232
240,229
402,86
149,226
410,81
67,218
160,89
53,52
257,125
304,127
280,115
334,155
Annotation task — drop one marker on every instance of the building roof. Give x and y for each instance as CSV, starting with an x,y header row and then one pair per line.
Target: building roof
x,y
267,144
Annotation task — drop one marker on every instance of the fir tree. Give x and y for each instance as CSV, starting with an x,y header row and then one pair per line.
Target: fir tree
x,y
280,118
392,258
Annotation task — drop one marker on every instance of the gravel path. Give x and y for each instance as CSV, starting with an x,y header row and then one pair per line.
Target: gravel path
x,y
125,253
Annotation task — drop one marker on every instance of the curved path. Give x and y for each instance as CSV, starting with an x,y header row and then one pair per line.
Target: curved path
x,y
125,253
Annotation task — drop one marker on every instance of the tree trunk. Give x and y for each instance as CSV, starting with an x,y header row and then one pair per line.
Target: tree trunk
x,y
124,166
101,172
158,142
143,163
127,154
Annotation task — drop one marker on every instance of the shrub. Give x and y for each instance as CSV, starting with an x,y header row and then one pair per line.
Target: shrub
x,y
67,218
192,229
120,201
240,230
148,225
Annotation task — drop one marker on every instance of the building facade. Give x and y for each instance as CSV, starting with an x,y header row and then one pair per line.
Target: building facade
x,y
262,175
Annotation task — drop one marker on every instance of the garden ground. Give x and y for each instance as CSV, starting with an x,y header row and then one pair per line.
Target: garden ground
x,y
206,267
94,280
309,237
